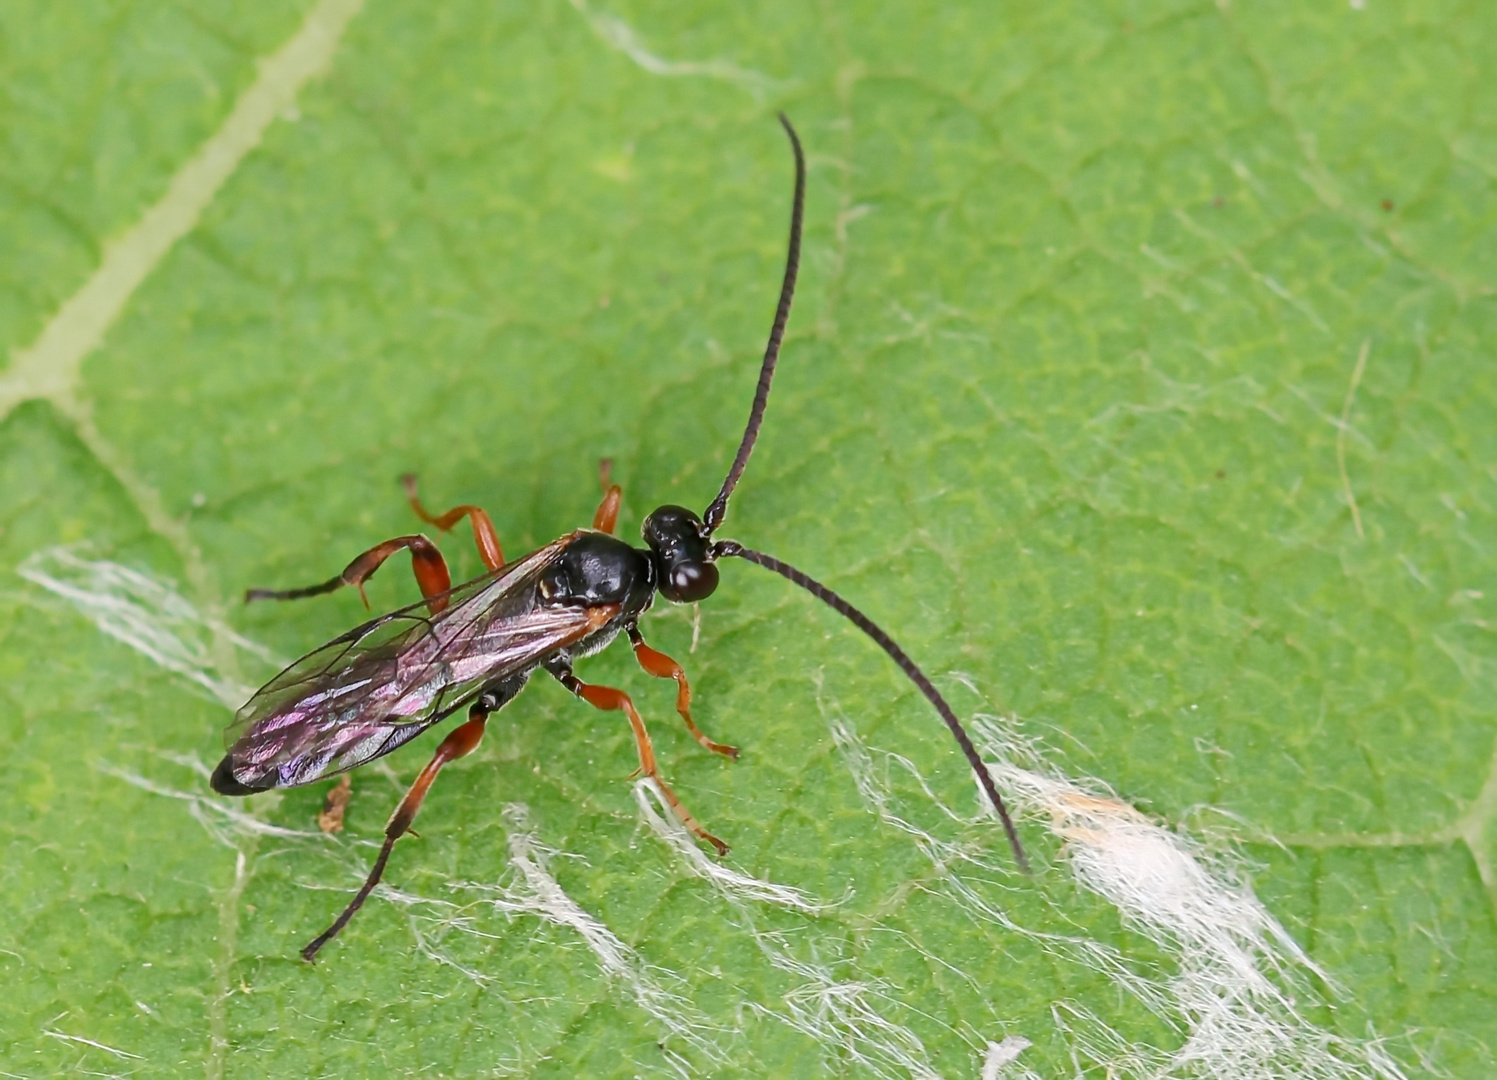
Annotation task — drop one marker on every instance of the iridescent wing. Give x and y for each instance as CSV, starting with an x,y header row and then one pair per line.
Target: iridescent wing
x,y
381,684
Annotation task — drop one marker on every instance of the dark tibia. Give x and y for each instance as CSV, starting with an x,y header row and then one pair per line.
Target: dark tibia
x,y
331,585
427,564
309,953
462,741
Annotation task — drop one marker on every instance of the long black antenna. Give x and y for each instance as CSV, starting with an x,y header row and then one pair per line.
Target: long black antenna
x,y
719,506
733,549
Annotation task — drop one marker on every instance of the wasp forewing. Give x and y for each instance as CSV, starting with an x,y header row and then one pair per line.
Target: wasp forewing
x,y
383,683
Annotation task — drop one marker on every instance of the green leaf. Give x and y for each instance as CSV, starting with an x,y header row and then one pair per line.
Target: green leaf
x,y
1138,384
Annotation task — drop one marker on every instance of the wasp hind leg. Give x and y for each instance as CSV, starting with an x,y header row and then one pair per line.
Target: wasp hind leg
x,y
427,563
663,667
463,740
608,699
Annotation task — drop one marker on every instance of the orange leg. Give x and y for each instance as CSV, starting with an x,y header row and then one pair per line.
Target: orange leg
x,y
609,699
426,561
608,510
484,534
462,741
663,667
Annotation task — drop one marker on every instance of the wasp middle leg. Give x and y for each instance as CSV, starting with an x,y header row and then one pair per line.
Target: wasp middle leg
x,y
609,699
607,515
484,533
663,667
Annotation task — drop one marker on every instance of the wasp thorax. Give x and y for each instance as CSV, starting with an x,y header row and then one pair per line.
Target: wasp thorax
x,y
678,540
597,569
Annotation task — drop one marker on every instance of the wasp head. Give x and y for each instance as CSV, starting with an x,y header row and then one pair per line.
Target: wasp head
x,y
678,540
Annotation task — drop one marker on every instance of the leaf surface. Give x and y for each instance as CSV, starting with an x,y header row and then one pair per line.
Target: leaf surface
x,y
1140,383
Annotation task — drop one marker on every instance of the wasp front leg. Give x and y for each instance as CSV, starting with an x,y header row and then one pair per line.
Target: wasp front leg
x,y
663,667
608,699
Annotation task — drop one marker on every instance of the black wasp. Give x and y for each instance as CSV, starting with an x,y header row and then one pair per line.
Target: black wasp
x,y
383,683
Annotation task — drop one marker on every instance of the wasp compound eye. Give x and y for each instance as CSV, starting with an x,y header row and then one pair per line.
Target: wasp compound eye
x,y
690,582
